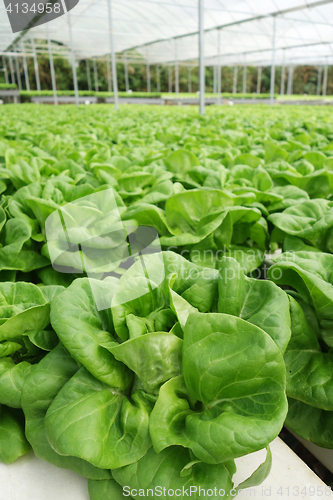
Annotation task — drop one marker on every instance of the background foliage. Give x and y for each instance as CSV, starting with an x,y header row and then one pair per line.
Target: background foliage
x,y
304,80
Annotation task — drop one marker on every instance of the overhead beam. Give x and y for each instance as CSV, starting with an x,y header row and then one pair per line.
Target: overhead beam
x,y
269,49
242,21
234,23
259,51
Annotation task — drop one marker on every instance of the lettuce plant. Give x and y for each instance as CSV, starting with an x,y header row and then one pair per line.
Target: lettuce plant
x,y
176,377
309,221
205,225
167,388
309,361
25,337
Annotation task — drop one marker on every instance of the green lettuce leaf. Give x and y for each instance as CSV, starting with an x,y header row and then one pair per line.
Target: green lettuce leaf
x,y
13,443
242,413
88,333
39,391
118,426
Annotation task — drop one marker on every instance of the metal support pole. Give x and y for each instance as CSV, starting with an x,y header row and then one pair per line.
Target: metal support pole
x,y
113,58
53,78
325,80
176,68
108,71
219,69
290,80
176,77
126,73
148,76
18,74
26,74
283,76
259,80
189,81
158,81
244,79
234,88
12,73
319,80
272,89
214,80
38,87
170,79
25,69
201,58
5,69
88,74
219,84
75,83
95,74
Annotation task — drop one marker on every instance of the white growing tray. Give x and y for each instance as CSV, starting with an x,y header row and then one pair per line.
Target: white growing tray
x,y
324,455
30,478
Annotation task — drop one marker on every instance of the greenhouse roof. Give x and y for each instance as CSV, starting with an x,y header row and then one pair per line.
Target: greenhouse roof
x,y
164,31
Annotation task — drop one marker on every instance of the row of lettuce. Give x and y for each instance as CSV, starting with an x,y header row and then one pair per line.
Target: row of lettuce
x,y
164,95
190,369
28,95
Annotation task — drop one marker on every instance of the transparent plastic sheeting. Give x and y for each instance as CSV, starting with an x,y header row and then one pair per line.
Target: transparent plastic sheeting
x,y
302,36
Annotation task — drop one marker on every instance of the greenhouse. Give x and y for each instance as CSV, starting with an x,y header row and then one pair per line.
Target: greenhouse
x,y
253,33
166,249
